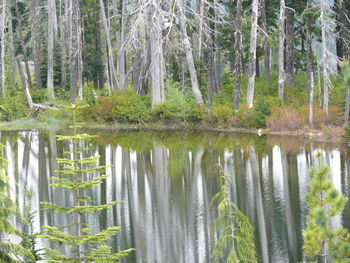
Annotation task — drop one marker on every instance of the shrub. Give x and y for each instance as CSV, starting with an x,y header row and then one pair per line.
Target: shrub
x,y
284,119
220,114
13,107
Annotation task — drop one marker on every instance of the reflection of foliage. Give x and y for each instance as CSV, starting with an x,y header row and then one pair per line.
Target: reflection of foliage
x,y
325,202
9,252
236,237
78,175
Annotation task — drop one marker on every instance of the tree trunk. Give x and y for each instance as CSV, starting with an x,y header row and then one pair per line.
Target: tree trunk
x,y
24,82
266,43
121,48
110,67
238,55
50,47
100,77
289,51
21,39
310,74
11,52
281,72
189,55
252,53
35,38
64,39
326,80
2,48
347,104
157,59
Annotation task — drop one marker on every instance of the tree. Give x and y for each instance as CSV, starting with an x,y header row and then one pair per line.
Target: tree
x,y
236,236
281,39
252,53
346,70
78,175
35,39
325,202
238,53
2,48
50,46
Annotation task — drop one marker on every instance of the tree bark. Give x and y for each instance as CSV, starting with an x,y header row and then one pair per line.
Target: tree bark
x,y
157,59
50,48
252,53
121,48
64,40
326,80
281,72
289,49
266,43
112,84
343,40
310,74
189,55
11,50
35,39
238,55
24,82
21,39
2,48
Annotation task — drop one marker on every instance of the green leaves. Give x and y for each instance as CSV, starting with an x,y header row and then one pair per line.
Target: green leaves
x,y
78,173
325,202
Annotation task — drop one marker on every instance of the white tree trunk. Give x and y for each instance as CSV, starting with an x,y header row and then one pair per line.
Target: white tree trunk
x,y
121,53
2,48
110,66
50,47
238,57
189,55
325,60
310,73
281,72
35,39
157,59
252,53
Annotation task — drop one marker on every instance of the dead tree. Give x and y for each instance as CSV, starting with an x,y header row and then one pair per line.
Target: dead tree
x,y
281,72
238,53
50,47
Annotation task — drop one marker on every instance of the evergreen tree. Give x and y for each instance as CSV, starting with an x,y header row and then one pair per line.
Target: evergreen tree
x,y
236,235
321,241
77,175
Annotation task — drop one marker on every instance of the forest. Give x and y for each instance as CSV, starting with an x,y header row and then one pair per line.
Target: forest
x,y
280,65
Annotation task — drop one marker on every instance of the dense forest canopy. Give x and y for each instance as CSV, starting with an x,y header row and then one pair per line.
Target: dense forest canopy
x,y
209,48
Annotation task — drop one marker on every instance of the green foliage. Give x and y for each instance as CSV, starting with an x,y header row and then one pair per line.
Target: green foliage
x,y
13,107
236,236
325,202
77,175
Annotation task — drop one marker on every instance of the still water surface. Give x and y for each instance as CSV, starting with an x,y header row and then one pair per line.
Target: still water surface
x,y
167,180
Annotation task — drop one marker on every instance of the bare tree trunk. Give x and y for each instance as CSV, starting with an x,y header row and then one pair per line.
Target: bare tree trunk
x,y
347,104
50,47
267,51
319,84
21,39
281,72
310,73
189,55
64,37
35,39
2,48
326,80
200,28
238,55
157,59
110,68
24,82
252,53
343,41
75,52
100,77
121,53
289,50
11,50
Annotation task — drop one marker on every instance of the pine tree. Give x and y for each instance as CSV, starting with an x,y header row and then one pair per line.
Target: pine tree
x,y
325,202
236,235
9,251
76,174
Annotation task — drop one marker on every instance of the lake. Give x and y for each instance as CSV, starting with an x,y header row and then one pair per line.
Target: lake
x,y
167,180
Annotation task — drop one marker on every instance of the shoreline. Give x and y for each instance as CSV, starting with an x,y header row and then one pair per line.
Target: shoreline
x,y
34,124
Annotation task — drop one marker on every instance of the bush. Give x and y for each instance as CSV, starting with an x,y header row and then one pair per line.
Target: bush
x,y
122,106
285,119
220,114
13,107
